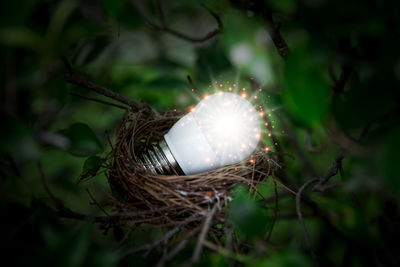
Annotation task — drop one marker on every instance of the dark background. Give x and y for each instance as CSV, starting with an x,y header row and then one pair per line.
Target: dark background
x,y
329,73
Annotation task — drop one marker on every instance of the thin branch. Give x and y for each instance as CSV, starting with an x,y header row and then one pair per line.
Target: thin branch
x,y
301,219
85,83
150,246
99,101
164,240
275,209
194,89
169,256
96,203
260,8
126,236
336,167
165,28
65,212
202,237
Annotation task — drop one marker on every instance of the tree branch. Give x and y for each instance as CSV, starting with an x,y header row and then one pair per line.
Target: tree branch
x,y
202,237
85,83
301,219
165,28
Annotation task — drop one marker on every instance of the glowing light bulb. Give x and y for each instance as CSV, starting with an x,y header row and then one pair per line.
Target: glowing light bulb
x,y
222,129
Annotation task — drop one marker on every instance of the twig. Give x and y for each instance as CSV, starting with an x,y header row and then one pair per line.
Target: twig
x,y
96,203
202,237
150,246
301,219
83,82
225,252
126,236
194,89
228,229
65,212
165,28
260,8
336,167
169,256
275,209
99,101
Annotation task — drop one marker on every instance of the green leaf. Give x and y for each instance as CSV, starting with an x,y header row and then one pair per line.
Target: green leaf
x,y
90,168
283,259
246,214
248,45
306,91
165,83
391,161
83,141
112,7
21,37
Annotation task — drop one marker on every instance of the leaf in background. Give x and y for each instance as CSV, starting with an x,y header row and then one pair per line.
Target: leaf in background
x,y
21,37
247,44
391,161
284,259
247,215
83,141
306,91
211,59
90,168
112,7
19,141
165,83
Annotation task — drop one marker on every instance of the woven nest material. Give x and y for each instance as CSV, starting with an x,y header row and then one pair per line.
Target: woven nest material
x,y
163,200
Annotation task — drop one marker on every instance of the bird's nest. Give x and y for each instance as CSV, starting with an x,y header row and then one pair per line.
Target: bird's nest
x,y
167,200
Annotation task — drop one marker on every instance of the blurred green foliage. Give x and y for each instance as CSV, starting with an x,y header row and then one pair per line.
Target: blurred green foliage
x,y
338,82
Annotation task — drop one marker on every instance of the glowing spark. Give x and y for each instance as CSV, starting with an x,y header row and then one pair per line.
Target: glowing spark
x,y
269,134
252,161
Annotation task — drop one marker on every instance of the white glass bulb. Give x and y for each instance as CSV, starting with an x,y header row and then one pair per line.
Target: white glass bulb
x,y
223,129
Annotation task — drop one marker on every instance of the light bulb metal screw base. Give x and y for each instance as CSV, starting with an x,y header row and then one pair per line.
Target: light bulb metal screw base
x,y
158,159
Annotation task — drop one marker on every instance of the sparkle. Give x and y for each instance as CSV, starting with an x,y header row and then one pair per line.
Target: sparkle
x,y
244,95
252,161
266,149
269,134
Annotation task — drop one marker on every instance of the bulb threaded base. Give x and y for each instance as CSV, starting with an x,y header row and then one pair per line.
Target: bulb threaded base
x,y
158,159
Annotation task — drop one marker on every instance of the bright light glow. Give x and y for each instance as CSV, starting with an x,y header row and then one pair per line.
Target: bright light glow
x,y
225,126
